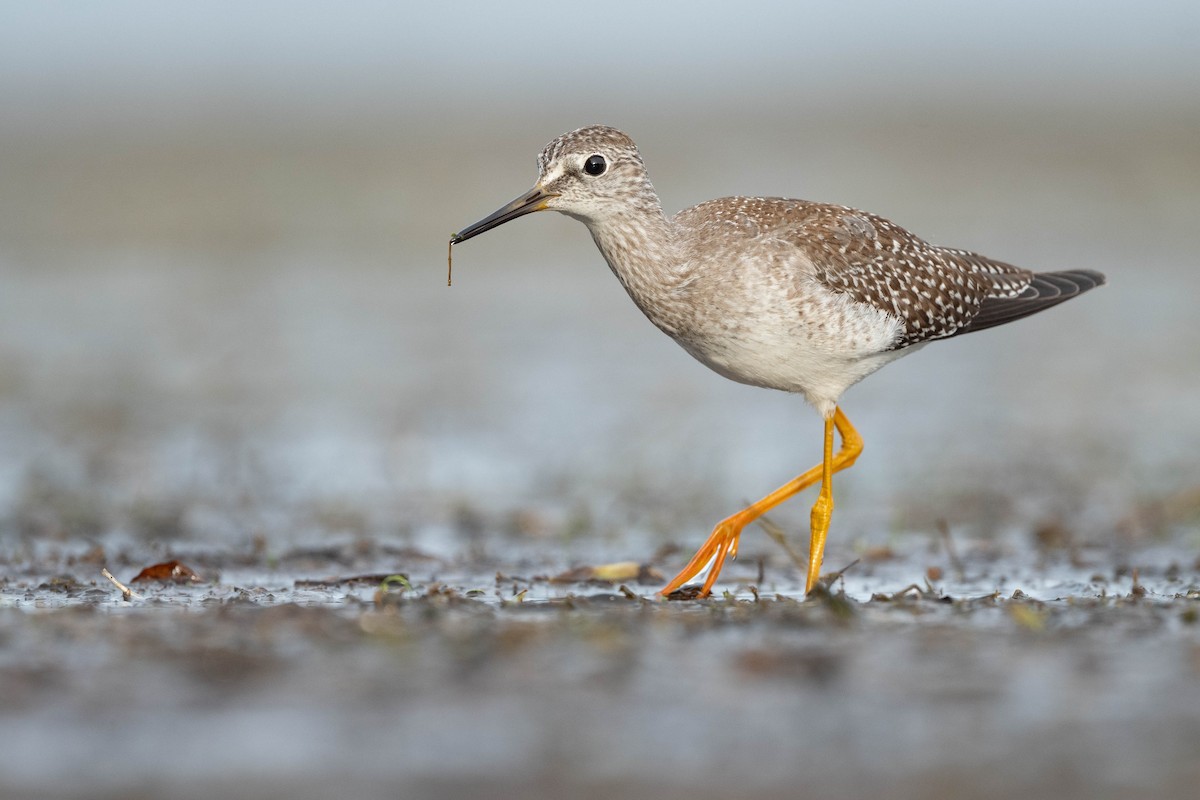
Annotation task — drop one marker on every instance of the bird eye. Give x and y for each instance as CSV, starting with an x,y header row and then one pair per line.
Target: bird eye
x,y
595,165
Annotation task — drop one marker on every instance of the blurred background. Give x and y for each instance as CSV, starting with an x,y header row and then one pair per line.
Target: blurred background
x,y
223,312
225,335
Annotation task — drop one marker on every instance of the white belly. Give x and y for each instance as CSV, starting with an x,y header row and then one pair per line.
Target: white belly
x,y
819,352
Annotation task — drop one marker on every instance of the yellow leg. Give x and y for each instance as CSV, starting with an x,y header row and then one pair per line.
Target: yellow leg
x,y
723,542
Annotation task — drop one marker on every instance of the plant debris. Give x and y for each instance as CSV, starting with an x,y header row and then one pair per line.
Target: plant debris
x,y
610,573
168,571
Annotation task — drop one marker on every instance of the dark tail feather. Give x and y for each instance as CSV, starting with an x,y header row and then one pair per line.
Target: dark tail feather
x,y
1047,289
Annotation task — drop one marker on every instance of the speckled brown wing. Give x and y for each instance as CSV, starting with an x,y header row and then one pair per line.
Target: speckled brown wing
x,y
936,292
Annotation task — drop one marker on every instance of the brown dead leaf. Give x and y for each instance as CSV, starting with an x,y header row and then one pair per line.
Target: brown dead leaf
x,y
172,571
610,573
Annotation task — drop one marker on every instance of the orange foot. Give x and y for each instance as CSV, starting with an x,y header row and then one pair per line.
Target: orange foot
x,y
723,543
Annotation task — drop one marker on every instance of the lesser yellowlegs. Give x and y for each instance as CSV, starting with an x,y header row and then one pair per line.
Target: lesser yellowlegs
x,y
785,294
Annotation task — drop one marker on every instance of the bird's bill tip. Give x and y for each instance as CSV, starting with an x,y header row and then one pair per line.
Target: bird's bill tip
x,y
533,200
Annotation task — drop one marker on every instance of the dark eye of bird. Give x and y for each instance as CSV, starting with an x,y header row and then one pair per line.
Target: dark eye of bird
x,y
595,165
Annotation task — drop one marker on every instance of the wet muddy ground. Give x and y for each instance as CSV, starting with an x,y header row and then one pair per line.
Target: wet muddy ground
x,y
968,670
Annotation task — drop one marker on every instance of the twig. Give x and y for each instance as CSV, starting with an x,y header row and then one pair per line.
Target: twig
x,y
777,535
955,561
127,594
833,577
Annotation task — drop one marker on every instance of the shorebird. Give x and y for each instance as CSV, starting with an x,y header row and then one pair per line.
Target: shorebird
x,y
785,294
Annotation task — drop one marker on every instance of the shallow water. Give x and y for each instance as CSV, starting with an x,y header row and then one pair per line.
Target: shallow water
x,y
1079,683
